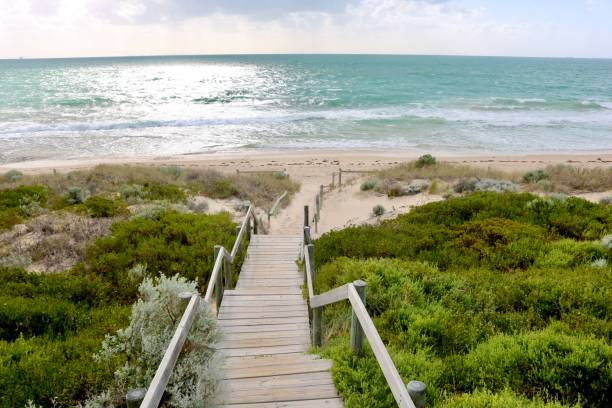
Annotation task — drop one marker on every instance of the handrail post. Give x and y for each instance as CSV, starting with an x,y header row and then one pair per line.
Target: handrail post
x,y
227,272
254,224
321,195
340,179
317,312
134,397
356,329
248,229
313,272
219,281
333,180
184,298
317,323
307,239
416,390
306,219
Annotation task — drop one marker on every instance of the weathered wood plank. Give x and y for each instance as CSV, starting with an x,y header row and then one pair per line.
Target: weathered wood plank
x,y
261,342
269,335
276,381
228,330
261,321
233,363
315,403
255,351
279,394
280,369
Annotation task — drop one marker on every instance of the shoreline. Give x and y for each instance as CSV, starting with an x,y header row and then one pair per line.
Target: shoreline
x,y
296,159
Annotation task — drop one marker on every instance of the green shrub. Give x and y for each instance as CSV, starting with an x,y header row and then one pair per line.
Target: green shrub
x,y
13,175
32,317
99,207
76,195
173,171
378,210
168,192
89,291
9,218
504,399
427,233
425,160
59,372
171,244
535,176
369,185
19,203
571,369
280,175
15,197
132,192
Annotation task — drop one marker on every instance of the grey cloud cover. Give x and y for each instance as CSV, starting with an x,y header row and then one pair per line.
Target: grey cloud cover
x,y
158,10
152,11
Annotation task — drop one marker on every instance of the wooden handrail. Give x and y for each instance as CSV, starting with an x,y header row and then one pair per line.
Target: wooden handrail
x,y
276,203
156,388
362,325
398,388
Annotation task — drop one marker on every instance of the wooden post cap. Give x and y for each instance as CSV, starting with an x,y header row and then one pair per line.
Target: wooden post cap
x,y
134,397
416,390
359,283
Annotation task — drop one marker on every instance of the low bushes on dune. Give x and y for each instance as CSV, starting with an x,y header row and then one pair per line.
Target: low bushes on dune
x,y
170,243
492,300
51,325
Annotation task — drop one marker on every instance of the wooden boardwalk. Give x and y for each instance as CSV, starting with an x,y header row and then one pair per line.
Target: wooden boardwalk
x,y
266,334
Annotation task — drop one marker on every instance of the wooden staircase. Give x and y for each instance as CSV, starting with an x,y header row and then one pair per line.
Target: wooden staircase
x,y
266,334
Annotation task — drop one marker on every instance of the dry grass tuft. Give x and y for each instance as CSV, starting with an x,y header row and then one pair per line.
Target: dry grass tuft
x,y
442,171
564,178
112,180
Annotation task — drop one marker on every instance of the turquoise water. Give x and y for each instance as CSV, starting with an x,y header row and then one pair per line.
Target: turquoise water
x,y
147,106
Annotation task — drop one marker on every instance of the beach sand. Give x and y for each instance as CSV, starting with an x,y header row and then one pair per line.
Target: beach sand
x,y
313,168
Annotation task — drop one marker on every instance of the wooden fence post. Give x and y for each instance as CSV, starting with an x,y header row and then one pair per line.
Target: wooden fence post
x,y
321,195
134,397
416,390
184,298
227,272
317,323
219,281
356,330
306,219
333,180
340,179
255,226
317,312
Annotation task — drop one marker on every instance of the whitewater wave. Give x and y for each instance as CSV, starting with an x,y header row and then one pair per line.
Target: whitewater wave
x,y
416,114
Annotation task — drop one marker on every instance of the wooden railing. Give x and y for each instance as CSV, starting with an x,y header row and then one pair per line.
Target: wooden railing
x,y
411,395
219,280
272,210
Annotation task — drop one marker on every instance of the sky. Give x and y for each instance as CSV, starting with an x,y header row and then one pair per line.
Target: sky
x,y
87,28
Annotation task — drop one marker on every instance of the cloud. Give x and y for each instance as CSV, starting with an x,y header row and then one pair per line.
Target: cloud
x,y
57,28
151,11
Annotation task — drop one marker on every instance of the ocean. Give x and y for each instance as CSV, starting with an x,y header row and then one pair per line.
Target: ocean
x,y
151,106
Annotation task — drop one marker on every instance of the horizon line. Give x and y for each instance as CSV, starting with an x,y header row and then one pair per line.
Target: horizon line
x,y
24,58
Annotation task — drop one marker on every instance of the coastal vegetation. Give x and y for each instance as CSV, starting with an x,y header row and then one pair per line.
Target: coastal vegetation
x,y
450,178
91,263
51,325
491,299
